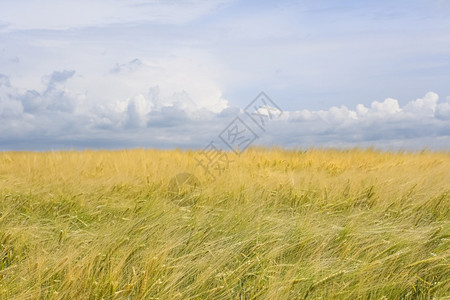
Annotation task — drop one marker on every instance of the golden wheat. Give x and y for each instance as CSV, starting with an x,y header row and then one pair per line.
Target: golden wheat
x,y
277,224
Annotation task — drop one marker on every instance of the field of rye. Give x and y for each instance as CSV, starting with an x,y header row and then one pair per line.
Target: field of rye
x,y
277,224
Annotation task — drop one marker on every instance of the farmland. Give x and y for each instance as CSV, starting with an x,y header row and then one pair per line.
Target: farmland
x,y
276,224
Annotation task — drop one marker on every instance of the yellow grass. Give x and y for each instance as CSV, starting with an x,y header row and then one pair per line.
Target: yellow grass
x,y
318,224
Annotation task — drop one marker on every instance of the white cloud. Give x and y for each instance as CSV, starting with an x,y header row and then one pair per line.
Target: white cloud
x,y
421,123
426,105
388,106
59,117
62,116
389,109
443,111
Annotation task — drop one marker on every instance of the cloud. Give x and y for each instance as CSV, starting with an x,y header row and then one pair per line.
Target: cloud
x,y
131,66
4,80
55,97
58,117
424,106
59,77
443,111
10,107
155,73
388,106
384,125
63,117
47,14
292,49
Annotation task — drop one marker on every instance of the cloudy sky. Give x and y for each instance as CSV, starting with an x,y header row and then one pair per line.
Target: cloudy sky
x,y
166,74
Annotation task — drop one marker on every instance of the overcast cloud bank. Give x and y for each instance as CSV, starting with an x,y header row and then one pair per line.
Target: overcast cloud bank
x,y
59,118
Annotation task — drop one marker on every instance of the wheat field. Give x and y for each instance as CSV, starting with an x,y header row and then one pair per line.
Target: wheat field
x,y
276,224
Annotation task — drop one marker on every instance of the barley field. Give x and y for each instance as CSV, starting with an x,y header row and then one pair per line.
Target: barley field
x,y
276,224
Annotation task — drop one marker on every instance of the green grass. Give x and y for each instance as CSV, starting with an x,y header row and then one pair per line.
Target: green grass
x,y
319,224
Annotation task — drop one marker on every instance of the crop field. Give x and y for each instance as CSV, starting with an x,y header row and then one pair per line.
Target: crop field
x,y
275,224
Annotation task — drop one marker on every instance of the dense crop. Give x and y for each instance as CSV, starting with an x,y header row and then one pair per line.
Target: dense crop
x,y
317,224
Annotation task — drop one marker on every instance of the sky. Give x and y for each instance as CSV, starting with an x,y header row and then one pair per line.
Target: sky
x,y
114,74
